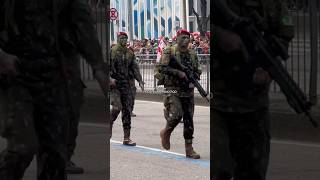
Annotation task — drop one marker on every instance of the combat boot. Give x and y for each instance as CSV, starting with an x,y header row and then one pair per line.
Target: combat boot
x,y
126,140
133,114
190,153
165,137
72,168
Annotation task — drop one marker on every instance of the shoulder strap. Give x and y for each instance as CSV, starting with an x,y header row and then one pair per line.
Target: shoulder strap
x,y
174,52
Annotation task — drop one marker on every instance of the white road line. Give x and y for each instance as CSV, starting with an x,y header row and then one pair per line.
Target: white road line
x,y
99,125
295,143
153,102
151,149
283,142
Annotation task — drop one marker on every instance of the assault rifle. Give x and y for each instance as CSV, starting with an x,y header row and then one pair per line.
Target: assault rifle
x,y
270,54
192,77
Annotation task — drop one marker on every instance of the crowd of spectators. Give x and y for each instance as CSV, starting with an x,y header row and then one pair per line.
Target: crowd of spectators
x,y
150,46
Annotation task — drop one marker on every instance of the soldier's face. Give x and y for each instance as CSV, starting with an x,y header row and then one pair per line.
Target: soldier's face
x,y
122,40
183,41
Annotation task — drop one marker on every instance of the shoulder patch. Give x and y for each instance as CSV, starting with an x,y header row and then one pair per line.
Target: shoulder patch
x,y
287,20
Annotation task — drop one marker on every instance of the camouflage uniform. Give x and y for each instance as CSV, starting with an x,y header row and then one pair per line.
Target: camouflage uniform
x,y
241,134
33,105
179,98
76,88
123,63
134,75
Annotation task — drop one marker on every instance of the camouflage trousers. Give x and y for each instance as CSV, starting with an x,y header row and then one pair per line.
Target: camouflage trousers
x,y
33,123
177,108
76,87
134,92
240,145
121,100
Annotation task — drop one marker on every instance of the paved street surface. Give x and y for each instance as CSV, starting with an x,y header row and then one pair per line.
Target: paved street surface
x,y
290,160
145,163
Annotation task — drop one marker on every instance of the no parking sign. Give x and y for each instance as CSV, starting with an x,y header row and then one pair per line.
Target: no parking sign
x,y
113,14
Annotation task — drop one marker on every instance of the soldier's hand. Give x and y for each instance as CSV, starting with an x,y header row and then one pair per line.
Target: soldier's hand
x,y
261,77
141,84
8,64
112,83
182,75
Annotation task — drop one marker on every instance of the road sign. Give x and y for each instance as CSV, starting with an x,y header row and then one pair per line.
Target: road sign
x,y
113,14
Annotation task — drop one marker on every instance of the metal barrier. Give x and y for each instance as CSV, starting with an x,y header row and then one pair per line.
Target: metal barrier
x,y
303,50
147,64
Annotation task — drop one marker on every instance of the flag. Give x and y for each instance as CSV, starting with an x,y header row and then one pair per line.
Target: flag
x,y
161,46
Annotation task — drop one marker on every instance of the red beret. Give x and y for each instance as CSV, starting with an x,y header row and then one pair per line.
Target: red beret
x,y
122,34
183,31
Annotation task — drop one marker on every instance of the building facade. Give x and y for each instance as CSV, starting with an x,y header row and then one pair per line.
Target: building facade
x,y
152,18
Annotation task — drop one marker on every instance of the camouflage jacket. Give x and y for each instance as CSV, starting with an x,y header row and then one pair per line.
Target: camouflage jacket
x,y
123,64
168,76
28,29
234,90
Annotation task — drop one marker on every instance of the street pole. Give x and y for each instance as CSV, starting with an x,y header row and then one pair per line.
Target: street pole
x,y
184,12
314,51
130,27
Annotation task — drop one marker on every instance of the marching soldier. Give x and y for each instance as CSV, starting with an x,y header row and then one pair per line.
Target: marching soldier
x,y
123,64
179,98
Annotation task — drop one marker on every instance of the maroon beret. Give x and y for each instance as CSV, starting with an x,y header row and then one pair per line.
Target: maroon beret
x,y
183,31
122,34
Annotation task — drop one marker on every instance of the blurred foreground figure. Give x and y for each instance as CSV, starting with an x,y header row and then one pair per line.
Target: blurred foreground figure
x,y
37,42
241,135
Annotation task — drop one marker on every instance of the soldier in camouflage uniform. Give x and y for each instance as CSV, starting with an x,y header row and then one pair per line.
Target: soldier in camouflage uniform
x,y
33,98
135,75
179,98
123,69
241,120
76,87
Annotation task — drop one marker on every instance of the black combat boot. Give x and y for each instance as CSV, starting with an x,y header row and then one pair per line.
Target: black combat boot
x,y
190,153
133,114
126,140
165,137
114,114
72,168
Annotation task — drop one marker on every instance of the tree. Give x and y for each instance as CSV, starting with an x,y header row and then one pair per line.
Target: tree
x,y
203,19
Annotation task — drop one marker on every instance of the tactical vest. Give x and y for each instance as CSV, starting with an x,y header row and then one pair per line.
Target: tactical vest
x,y
122,61
173,52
